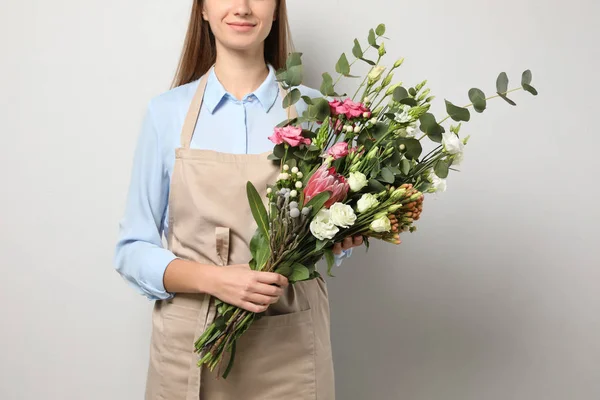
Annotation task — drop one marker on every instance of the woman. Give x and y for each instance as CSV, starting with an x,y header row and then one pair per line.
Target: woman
x,y
200,143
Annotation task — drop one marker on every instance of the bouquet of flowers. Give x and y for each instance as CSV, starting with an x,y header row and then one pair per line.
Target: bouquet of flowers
x,y
357,170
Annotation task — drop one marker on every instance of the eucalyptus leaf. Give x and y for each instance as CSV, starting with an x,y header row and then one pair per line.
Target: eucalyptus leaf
x,y
291,98
380,30
526,77
258,209
530,89
273,157
405,166
477,97
327,85
307,99
399,94
502,83
409,101
431,127
441,168
294,59
356,50
342,66
413,147
284,270
371,39
509,101
320,244
457,113
387,175
375,185
295,75
370,62
279,150
379,129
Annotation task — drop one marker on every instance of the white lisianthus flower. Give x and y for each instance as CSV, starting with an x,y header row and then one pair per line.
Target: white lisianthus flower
x,y
357,180
342,215
403,117
452,144
322,227
381,224
375,73
457,159
366,202
437,184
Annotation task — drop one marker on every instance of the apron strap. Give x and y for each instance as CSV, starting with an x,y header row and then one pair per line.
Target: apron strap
x,y
191,119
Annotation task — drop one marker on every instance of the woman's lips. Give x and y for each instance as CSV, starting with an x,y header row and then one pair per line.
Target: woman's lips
x,y
241,27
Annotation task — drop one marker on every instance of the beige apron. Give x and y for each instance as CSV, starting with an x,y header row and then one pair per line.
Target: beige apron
x,y
286,355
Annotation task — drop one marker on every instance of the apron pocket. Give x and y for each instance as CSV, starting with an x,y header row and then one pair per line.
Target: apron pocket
x,y
275,359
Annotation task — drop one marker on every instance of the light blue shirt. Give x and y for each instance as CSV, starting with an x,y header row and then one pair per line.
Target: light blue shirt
x,y
226,125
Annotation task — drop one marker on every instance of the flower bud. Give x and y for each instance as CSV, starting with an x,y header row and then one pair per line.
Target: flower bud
x,y
394,208
397,194
349,128
402,147
366,114
299,175
286,167
293,204
356,129
366,100
375,73
305,211
293,193
285,176
294,213
399,62
269,190
373,120
387,80
298,185
381,51
295,170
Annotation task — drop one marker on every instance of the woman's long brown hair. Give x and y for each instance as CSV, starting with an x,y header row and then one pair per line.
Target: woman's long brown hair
x,y
200,52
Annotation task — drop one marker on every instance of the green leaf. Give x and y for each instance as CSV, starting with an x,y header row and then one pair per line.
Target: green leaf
x,y
509,101
319,110
320,244
258,209
330,261
387,175
412,92
273,157
279,150
327,85
409,101
342,66
291,98
375,185
284,270
294,59
431,127
370,62
307,99
260,249
317,202
526,77
299,273
379,130
502,83
441,168
295,75
372,40
477,97
356,50
413,147
457,113
530,89
399,94
380,30
405,166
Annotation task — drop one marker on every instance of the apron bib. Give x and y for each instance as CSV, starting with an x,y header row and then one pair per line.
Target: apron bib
x,y
286,355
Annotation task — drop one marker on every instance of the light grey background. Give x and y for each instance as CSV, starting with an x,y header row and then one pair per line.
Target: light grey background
x,y
495,297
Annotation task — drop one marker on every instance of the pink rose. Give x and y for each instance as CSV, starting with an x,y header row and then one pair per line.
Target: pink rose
x,y
338,150
291,135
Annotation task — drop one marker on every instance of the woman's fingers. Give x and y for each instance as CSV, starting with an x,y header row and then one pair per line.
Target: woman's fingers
x,y
337,248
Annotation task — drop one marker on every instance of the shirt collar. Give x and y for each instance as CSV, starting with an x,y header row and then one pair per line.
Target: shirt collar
x,y
215,93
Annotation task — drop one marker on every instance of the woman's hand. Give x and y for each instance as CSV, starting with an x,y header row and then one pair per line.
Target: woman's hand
x,y
347,243
251,290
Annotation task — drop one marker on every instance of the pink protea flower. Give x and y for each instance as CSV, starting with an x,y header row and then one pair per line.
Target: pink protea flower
x,y
291,135
338,150
326,179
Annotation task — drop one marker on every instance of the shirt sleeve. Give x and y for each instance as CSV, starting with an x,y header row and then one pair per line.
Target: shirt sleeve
x,y
140,257
339,258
